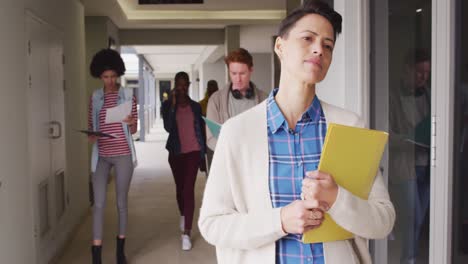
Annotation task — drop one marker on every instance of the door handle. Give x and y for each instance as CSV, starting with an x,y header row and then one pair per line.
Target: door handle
x,y
52,130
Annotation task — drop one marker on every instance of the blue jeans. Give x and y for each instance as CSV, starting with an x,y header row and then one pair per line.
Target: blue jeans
x,y
424,192
406,211
414,201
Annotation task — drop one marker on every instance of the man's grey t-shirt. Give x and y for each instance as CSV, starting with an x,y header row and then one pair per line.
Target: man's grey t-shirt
x,y
237,106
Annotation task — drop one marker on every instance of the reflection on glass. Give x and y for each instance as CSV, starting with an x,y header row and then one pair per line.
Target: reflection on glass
x,y
409,127
409,151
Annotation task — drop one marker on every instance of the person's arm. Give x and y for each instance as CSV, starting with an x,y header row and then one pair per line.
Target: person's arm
x,y
203,127
168,113
134,124
225,225
372,218
212,113
91,138
132,119
198,115
221,223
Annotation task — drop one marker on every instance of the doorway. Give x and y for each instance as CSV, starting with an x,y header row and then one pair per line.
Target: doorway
x,y
46,140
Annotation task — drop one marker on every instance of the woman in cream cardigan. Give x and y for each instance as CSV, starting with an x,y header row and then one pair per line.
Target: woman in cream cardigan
x,y
267,158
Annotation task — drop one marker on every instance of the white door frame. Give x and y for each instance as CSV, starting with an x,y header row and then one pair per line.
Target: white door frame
x,y
443,98
379,79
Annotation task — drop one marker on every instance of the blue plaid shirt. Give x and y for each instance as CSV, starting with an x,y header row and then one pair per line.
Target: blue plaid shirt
x,y
292,153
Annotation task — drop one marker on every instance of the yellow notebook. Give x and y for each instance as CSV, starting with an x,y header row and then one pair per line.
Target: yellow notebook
x,y
352,156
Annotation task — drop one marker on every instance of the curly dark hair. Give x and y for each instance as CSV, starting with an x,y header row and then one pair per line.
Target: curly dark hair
x,y
106,59
311,7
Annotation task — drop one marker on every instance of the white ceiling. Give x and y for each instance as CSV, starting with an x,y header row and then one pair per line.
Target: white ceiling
x,y
172,49
211,14
214,5
127,14
174,58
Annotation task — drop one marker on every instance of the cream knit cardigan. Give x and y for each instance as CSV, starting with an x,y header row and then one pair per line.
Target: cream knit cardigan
x,y
237,214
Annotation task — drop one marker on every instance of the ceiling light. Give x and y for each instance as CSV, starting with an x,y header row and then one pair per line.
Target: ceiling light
x,y
419,10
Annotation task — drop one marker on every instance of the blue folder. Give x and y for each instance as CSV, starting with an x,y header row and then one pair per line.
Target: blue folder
x,y
214,127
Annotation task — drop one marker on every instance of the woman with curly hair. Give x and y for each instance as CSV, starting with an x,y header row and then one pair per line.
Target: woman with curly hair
x,y
117,151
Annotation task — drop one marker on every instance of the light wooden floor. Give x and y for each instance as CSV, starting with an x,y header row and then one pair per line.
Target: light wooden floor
x,y
153,231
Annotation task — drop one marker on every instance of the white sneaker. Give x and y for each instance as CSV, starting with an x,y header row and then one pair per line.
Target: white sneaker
x,y
186,243
182,223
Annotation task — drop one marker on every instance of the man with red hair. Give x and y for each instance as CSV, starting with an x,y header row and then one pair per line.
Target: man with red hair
x,y
240,94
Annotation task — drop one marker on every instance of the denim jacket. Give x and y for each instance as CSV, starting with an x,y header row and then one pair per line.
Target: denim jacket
x,y
170,125
98,101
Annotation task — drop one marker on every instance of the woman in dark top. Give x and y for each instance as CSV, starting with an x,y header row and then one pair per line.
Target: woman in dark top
x,y
186,145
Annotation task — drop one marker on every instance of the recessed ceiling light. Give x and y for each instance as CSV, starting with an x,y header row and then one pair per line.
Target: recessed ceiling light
x,y
419,10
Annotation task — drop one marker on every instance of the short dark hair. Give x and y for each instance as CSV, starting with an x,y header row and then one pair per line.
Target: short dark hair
x,y
417,55
239,55
106,59
181,75
212,86
311,7
212,83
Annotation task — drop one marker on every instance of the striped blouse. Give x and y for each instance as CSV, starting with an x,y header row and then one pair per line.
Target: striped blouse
x,y
117,146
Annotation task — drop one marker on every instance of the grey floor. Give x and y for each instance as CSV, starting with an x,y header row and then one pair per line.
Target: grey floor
x,y
153,232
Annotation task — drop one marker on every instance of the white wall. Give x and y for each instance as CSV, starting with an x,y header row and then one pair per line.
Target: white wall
x,y
113,32
332,89
16,233
213,71
346,84
262,73
195,85
16,229
258,38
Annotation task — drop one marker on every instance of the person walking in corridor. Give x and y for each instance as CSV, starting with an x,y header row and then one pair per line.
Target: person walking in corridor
x,y
266,159
186,145
212,87
117,151
240,94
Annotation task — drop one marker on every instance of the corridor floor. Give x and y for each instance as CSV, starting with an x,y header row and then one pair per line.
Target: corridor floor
x,y
153,231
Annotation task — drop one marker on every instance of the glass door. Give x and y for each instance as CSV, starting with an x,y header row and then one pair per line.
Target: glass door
x,y
401,104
